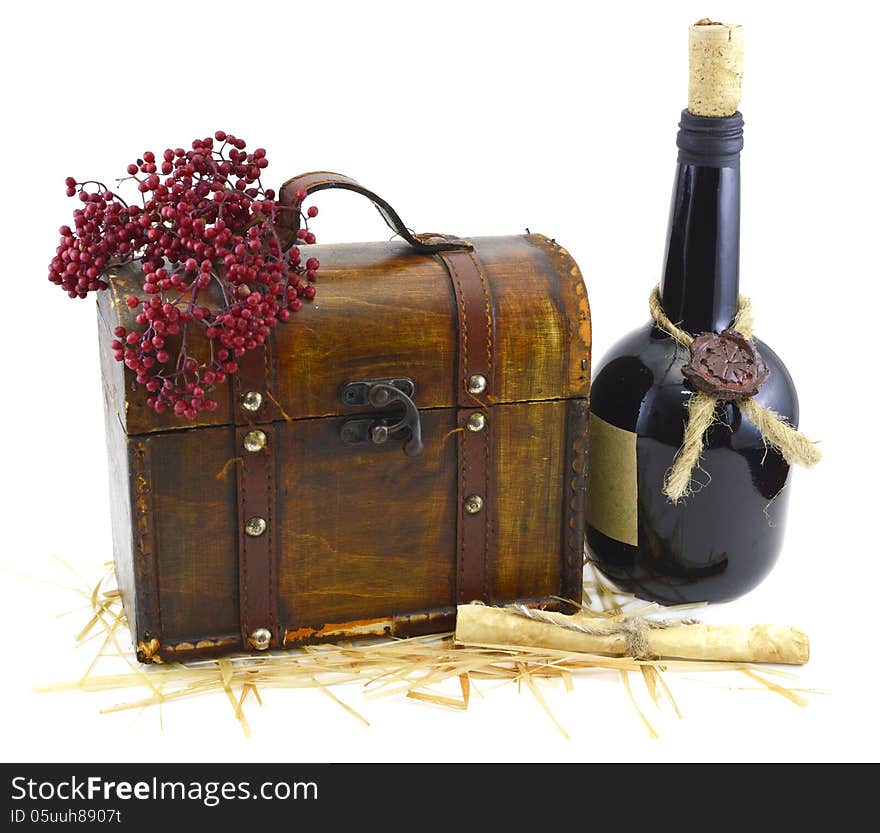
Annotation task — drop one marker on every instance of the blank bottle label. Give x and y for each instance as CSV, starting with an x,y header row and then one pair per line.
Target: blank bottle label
x,y
612,485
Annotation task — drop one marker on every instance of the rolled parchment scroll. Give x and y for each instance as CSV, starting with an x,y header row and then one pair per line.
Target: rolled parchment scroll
x,y
483,625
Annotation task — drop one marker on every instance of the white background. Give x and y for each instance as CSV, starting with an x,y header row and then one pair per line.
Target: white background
x,y
477,118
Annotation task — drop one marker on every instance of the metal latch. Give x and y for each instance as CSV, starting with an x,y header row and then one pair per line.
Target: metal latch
x,y
382,393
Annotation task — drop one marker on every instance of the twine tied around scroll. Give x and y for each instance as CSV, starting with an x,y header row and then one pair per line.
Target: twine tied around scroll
x,y
634,629
774,429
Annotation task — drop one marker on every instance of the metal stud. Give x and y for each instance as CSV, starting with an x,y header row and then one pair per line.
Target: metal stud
x,y
473,504
476,422
380,397
255,526
254,440
379,434
476,383
252,401
261,639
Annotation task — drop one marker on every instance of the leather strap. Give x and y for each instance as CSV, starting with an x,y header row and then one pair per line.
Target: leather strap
x,y
254,376
476,326
289,217
475,387
257,574
474,528
255,454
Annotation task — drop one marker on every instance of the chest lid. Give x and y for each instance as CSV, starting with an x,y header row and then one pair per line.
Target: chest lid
x,y
390,311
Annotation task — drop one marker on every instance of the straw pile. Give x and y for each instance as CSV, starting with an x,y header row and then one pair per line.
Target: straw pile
x,y
416,668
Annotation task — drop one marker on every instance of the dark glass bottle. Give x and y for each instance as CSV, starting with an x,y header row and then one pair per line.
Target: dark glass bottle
x,y
724,538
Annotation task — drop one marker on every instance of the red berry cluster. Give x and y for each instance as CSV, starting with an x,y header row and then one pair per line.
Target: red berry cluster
x,y
205,233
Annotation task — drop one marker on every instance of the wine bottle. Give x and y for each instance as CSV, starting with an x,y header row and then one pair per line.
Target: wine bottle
x,y
723,538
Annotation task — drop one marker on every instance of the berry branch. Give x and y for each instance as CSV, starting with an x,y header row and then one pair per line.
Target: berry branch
x,y
205,233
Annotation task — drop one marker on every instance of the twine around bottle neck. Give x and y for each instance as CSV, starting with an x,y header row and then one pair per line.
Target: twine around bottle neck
x,y
742,323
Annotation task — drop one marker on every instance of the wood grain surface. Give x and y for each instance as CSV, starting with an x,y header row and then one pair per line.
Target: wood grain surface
x,y
366,535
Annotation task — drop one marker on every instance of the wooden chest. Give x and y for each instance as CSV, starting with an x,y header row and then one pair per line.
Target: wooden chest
x,y
412,439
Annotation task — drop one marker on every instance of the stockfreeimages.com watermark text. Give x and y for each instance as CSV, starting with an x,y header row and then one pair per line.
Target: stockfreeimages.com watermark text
x,y
209,793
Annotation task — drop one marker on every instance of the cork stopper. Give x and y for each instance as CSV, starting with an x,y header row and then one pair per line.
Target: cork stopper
x,y
716,61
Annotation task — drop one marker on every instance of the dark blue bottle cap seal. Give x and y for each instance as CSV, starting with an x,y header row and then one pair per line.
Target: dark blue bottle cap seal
x,y
710,141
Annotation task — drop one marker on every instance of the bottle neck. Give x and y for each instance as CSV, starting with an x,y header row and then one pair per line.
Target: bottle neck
x,y
700,287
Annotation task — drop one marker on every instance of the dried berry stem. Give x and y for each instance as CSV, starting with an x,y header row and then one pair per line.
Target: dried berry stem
x,y
205,219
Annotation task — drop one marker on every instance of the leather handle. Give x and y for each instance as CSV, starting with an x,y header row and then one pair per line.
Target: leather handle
x,y
289,218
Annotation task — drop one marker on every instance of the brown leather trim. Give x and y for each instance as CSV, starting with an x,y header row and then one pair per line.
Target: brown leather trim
x,y
476,344
577,411
437,620
254,375
289,216
212,646
257,570
148,620
476,326
257,578
474,529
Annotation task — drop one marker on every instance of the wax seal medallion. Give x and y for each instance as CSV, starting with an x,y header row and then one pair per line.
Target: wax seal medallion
x,y
727,366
